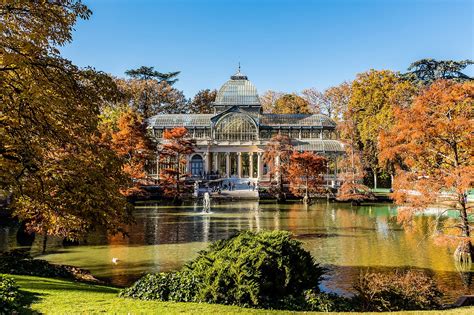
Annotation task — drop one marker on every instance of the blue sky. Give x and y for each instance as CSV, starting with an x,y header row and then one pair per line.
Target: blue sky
x,y
282,45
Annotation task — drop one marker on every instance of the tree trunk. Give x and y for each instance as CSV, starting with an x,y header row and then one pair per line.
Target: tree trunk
x,y
375,179
281,197
177,177
464,251
306,197
45,241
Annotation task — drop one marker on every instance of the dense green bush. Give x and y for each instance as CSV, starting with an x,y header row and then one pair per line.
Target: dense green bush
x,y
9,296
172,286
266,269
399,290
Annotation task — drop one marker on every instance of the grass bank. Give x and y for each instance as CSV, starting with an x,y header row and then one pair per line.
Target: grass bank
x,y
53,296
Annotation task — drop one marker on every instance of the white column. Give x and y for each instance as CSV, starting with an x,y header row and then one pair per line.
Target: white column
x,y
188,164
251,164
239,164
157,166
227,164
205,159
259,165
214,157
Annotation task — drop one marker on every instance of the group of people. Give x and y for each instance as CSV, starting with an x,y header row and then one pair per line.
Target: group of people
x,y
231,186
252,185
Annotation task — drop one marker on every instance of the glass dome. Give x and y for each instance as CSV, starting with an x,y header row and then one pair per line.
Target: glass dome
x,y
237,91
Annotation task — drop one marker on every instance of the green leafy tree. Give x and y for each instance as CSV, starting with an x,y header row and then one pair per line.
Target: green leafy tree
x,y
149,73
426,71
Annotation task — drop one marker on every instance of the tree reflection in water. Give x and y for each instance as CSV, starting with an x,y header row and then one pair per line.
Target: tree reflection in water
x,y
344,238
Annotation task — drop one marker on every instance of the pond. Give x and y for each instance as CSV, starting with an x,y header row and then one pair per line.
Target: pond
x,y
347,240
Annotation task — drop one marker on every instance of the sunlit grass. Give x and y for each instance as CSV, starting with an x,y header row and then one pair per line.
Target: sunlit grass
x,y
53,296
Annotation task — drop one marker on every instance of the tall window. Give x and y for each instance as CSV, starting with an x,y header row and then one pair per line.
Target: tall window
x,y
236,127
197,165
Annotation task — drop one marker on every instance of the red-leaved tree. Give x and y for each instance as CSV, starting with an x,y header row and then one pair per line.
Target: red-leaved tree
x,y
433,144
132,145
353,173
176,146
305,174
277,156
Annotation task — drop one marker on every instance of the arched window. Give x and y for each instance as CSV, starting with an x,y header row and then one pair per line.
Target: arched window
x,y
197,165
236,127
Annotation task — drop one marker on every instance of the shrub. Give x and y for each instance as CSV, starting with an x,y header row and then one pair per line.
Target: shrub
x,y
328,302
173,286
400,290
9,296
266,269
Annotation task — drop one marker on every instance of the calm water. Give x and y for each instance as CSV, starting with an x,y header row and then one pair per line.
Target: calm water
x,y
347,240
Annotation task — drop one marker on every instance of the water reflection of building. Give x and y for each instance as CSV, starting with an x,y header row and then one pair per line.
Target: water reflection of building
x,y
231,141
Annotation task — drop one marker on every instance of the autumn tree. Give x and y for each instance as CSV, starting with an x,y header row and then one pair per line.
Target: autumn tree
x,y
353,170
64,181
291,104
352,177
277,156
133,146
427,71
151,92
202,101
434,143
268,99
332,102
374,94
177,145
306,174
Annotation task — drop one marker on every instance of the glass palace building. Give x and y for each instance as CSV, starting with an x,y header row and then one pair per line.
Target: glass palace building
x,y
230,142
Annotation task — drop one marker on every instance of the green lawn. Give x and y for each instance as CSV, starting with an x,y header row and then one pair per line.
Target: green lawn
x,y
52,296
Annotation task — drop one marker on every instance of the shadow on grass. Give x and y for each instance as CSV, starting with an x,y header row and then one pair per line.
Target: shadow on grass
x,y
45,284
29,298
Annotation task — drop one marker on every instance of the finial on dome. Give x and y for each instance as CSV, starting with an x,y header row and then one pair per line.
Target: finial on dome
x,y
238,75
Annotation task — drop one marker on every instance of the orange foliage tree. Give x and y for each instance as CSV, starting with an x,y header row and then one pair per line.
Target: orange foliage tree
x,y
305,174
176,146
132,145
277,156
64,181
352,177
353,173
432,143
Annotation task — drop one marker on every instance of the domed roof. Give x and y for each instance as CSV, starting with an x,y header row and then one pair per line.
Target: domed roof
x,y
237,91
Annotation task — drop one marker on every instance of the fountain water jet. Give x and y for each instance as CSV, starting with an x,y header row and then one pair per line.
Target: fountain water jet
x,y
206,202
